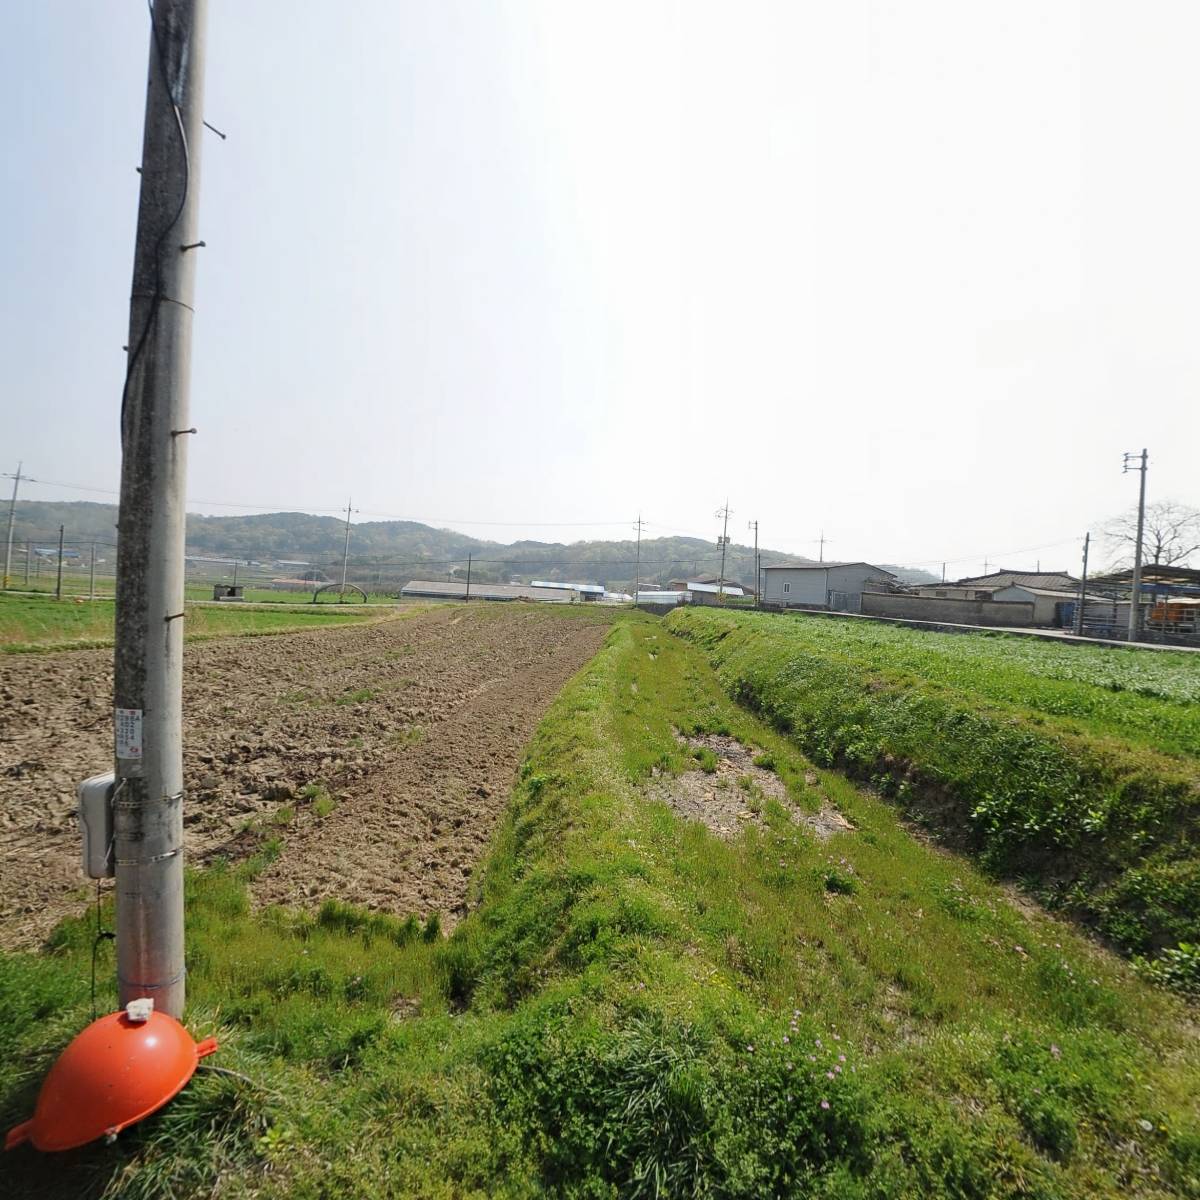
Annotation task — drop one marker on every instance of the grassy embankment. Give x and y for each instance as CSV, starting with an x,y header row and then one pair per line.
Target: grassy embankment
x,y
1072,768
34,623
639,1008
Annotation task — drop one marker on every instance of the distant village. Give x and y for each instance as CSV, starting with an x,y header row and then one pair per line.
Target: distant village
x,y
1000,599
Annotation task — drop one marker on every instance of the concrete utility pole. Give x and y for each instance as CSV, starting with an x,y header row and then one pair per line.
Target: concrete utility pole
x,y
148,692
637,577
12,516
1135,604
821,547
754,525
724,542
467,597
58,580
92,575
1087,538
345,553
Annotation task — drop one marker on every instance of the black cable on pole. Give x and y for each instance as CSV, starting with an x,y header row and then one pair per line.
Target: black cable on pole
x,y
156,297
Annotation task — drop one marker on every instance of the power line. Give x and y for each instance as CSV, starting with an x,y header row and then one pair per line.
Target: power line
x,y
440,522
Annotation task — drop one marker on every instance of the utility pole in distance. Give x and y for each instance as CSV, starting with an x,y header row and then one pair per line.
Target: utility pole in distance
x,y
12,516
637,578
467,597
1135,603
1087,538
754,525
58,579
723,542
148,691
345,553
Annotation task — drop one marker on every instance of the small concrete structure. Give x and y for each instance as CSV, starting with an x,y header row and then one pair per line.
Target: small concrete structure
x,y
225,591
1052,607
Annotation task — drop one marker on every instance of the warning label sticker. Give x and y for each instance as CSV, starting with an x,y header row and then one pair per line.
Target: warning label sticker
x,y
129,732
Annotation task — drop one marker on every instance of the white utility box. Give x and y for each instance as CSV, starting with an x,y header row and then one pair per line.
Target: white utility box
x,y
96,824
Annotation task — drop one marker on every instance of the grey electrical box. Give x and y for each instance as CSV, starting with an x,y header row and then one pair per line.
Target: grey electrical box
x,y
96,824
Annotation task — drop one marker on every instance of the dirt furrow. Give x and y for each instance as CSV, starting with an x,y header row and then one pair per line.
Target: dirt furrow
x,y
270,722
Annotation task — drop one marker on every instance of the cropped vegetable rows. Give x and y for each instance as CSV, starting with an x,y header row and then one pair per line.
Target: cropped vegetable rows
x,y
1148,697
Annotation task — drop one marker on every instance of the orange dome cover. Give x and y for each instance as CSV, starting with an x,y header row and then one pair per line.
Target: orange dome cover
x,y
113,1074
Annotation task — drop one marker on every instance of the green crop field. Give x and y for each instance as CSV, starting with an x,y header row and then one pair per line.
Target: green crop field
x,y
36,623
638,1007
1151,697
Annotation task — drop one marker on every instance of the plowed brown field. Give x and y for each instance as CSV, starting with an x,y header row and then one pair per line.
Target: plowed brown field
x,y
414,727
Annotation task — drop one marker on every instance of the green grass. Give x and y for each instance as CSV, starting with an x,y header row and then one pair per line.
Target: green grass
x,y
1103,826
35,623
637,1008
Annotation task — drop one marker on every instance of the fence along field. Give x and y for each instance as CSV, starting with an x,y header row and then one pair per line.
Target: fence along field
x,y
1071,768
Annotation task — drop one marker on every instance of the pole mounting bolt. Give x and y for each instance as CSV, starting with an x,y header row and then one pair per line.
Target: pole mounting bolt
x,y
178,432
192,246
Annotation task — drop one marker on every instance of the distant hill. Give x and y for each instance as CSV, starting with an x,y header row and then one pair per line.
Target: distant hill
x,y
392,552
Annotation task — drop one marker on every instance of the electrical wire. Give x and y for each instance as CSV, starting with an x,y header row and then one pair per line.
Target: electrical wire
x,y
102,935
441,522
156,297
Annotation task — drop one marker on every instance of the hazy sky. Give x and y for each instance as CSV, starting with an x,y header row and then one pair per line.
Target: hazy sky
x,y
912,273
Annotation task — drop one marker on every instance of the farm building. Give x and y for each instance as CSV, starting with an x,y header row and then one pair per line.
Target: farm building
x,y
834,585
585,591
712,581
1062,581
430,590
659,600
703,592
1178,614
952,591
1170,600
1051,606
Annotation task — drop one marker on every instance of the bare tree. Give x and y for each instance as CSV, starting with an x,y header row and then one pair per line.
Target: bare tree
x,y
1171,533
